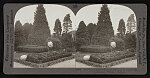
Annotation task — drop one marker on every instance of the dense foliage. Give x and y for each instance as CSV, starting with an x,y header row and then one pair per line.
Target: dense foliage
x,y
19,35
40,31
110,57
57,27
120,44
121,28
67,24
131,24
90,31
31,49
81,35
57,45
104,30
46,57
130,40
95,49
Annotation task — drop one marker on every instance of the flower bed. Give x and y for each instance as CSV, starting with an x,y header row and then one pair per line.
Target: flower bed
x,y
95,49
46,57
42,65
32,49
110,57
106,65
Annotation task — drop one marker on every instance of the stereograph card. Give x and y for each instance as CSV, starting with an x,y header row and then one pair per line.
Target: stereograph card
x,y
75,39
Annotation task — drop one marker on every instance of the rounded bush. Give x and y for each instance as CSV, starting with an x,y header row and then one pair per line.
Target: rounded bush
x,y
120,44
57,45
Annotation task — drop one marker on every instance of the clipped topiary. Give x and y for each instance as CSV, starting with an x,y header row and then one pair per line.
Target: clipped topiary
x,y
120,44
57,45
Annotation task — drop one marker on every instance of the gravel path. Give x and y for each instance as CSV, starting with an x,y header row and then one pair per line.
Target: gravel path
x,y
129,64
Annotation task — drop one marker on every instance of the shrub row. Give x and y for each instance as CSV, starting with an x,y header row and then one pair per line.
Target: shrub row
x,y
95,49
110,57
46,56
32,49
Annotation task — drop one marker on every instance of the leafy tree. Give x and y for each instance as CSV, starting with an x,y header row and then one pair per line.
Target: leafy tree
x,y
67,25
27,30
81,35
121,28
104,29
19,36
18,28
40,31
90,30
58,27
66,40
130,40
131,24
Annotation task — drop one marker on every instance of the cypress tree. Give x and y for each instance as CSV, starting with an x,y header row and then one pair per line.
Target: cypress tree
x,y
104,29
81,35
57,27
40,31
131,24
90,31
121,28
67,25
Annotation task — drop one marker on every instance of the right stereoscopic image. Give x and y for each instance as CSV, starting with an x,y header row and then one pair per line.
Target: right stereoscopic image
x,y
97,36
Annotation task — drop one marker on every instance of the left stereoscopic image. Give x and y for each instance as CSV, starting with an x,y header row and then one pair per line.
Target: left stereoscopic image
x,y
53,36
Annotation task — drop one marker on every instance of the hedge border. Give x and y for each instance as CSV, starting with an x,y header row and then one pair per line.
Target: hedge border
x,y
35,65
107,65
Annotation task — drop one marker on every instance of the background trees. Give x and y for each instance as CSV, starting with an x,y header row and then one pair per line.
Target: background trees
x,y
19,36
57,27
130,37
27,30
66,39
121,28
81,35
104,29
67,25
131,24
90,31
40,31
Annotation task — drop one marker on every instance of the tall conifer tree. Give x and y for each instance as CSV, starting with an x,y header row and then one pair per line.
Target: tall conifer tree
x,y
40,31
104,29
121,28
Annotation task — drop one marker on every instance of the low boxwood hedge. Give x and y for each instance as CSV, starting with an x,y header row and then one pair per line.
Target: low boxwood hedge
x,y
32,49
46,56
110,57
95,49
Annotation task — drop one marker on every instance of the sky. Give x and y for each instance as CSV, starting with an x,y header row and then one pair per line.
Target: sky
x,y
88,14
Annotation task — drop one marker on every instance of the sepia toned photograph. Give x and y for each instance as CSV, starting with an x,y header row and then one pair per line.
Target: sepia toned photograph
x,y
53,36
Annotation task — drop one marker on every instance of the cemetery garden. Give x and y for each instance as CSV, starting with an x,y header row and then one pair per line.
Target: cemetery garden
x,y
94,45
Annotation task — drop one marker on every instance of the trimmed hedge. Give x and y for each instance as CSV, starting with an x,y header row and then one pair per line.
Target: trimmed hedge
x,y
120,44
46,56
110,57
95,49
32,49
57,45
